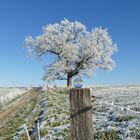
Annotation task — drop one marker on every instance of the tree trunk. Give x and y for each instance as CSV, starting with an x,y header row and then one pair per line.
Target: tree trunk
x,y
81,114
69,80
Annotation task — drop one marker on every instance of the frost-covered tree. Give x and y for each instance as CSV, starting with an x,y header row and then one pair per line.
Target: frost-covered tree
x,y
77,51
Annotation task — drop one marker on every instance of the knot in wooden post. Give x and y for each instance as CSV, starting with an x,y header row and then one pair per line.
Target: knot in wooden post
x,y
81,114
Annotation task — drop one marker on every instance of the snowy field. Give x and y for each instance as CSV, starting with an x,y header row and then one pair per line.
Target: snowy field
x,y
8,95
116,114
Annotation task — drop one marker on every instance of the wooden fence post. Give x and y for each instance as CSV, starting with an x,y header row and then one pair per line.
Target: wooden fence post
x,y
81,114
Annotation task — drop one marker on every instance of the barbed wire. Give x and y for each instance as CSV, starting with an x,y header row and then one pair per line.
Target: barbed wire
x,y
120,107
122,126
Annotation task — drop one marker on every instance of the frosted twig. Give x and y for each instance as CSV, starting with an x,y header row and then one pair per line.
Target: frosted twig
x,y
27,131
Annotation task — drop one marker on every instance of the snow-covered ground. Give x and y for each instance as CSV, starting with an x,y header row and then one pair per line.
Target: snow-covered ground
x,y
9,94
117,110
116,114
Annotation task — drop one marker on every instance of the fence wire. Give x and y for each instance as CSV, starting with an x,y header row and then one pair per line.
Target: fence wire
x,y
110,119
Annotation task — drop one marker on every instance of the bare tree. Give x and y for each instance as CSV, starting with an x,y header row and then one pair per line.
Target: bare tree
x,y
77,50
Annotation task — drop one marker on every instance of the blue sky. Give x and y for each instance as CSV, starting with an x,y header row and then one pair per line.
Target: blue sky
x,y
19,19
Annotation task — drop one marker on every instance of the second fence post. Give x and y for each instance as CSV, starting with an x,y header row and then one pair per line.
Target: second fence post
x,y
81,114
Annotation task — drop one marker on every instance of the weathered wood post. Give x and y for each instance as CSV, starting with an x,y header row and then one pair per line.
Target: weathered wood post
x,y
81,114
